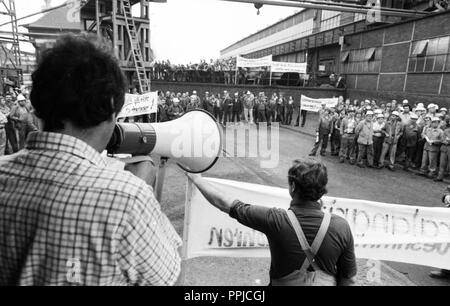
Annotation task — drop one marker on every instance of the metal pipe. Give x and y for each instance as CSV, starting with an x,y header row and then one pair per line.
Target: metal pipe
x,y
33,34
360,6
321,7
34,14
10,40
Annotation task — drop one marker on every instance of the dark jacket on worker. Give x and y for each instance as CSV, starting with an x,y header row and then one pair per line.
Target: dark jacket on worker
x,y
335,256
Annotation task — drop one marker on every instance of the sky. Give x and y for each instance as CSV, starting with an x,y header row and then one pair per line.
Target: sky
x,y
190,30
186,31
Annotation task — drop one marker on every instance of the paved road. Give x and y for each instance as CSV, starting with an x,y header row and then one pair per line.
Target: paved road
x,y
344,181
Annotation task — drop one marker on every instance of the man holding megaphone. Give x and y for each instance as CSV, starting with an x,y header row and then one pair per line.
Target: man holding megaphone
x,y
65,217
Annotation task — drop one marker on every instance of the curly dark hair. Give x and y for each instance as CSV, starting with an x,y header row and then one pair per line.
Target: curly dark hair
x,y
78,80
310,178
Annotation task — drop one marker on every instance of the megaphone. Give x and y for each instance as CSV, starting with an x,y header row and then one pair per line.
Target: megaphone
x,y
194,140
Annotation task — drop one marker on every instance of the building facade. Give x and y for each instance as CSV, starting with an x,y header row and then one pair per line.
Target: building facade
x,y
408,60
314,36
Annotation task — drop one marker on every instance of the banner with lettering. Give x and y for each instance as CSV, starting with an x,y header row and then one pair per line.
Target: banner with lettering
x,y
254,62
391,232
137,105
314,105
286,67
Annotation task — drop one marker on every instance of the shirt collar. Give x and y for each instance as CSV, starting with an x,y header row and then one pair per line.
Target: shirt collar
x,y
64,143
298,204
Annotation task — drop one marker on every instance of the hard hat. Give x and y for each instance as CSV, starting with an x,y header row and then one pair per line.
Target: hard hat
x,y
421,108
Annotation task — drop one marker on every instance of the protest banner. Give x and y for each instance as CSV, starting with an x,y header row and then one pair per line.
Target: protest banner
x,y
401,233
286,67
254,62
137,105
314,105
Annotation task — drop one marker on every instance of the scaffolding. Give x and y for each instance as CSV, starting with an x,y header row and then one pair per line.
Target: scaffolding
x,y
129,35
11,62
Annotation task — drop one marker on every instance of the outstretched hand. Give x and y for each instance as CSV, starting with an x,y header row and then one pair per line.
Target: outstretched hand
x,y
213,195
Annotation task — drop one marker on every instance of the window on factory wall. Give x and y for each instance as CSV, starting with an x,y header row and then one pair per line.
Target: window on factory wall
x,y
431,55
301,57
361,60
344,57
326,66
359,17
298,57
292,58
330,20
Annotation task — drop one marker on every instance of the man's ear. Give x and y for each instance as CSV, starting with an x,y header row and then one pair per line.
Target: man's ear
x,y
293,187
114,115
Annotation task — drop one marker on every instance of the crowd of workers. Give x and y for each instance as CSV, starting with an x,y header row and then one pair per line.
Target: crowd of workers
x,y
17,120
365,133
380,135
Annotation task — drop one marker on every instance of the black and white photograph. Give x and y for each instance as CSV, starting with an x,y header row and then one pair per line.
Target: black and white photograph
x,y
223,148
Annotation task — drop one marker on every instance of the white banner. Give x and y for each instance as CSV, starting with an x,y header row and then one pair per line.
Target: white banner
x,y
401,233
314,105
137,105
288,67
254,62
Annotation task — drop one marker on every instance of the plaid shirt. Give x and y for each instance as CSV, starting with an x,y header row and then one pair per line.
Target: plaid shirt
x,y
66,219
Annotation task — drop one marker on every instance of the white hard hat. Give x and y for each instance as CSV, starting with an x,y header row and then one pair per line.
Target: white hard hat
x,y
421,108
414,116
435,119
395,113
380,116
21,98
405,101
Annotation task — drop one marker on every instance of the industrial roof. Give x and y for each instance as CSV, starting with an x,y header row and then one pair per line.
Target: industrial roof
x,y
57,19
301,11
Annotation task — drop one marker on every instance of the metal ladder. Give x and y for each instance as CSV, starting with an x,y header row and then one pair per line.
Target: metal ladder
x,y
144,82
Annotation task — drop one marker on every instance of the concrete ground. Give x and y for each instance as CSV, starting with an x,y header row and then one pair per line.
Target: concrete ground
x,y
344,181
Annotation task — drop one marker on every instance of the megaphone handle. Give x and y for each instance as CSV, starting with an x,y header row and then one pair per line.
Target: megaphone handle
x,y
160,178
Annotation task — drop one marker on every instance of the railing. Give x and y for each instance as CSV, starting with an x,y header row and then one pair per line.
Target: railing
x,y
231,78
